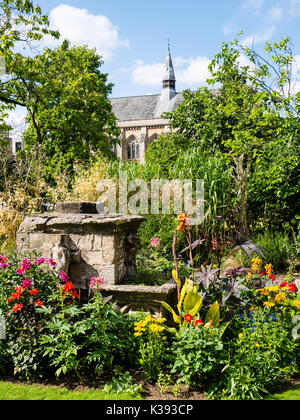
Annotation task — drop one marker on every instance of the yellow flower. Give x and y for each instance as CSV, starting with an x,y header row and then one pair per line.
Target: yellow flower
x,y
241,335
257,345
256,264
156,328
281,297
296,303
148,319
263,292
269,269
160,320
273,288
138,334
249,275
269,304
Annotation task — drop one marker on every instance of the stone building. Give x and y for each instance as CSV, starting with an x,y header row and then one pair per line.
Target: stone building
x,y
140,117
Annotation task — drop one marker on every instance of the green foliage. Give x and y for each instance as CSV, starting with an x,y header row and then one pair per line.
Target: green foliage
x,y
24,326
189,300
90,336
66,97
198,354
278,249
253,121
124,384
264,353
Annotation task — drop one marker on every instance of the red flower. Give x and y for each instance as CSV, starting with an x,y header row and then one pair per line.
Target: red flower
x,y
38,303
17,308
284,284
70,288
292,287
264,273
198,323
188,318
34,292
272,277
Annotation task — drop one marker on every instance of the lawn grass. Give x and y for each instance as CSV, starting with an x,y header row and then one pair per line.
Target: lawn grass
x,y
10,391
293,394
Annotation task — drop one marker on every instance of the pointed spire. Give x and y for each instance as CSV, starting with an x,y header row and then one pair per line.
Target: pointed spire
x,y
169,80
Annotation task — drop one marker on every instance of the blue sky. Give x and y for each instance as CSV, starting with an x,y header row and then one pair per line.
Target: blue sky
x,y
132,35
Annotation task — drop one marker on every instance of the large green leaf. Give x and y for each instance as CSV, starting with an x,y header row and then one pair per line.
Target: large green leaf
x,y
176,317
182,295
176,278
213,314
191,300
197,307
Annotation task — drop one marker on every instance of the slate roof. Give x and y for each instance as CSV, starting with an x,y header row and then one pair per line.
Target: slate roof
x,y
145,107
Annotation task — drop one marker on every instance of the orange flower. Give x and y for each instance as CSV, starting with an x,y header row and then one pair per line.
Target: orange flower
x,y
17,308
180,227
181,218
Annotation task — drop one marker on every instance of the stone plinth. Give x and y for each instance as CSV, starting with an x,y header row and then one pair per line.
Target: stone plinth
x,y
84,243
132,298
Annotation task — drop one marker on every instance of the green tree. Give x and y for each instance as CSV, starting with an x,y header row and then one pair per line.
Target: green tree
x,y
69,114
253,119
21,23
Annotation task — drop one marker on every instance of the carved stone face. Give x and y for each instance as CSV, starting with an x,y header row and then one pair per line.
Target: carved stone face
x,y
62,257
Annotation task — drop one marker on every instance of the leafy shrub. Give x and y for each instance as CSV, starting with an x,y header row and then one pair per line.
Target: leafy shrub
x,y
278,248
93,336
264,353
198,354
25,284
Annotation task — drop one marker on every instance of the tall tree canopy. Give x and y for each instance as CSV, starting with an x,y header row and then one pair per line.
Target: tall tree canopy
x,y
253,119
66,96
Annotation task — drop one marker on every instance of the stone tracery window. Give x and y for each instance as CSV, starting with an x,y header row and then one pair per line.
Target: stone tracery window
x,y
133,149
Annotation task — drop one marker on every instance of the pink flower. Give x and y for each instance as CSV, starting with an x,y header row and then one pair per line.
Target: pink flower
x,y
40,261
64,277
26,264
52,263
3,266
155,242
26,283
96,283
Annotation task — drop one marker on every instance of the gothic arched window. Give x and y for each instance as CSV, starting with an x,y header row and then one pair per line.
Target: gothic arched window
x,y
133,149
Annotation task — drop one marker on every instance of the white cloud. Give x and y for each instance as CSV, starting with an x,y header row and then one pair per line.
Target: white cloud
x,y
196,71
16,119
81,27
189,71
147,74
259,37
294,8
275,14
253,4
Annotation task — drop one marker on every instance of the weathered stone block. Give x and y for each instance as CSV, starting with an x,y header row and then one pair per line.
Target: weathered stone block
x,y
102,244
